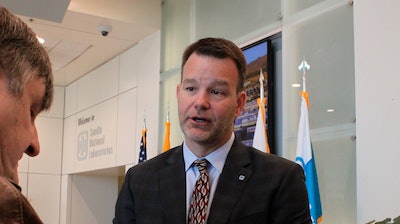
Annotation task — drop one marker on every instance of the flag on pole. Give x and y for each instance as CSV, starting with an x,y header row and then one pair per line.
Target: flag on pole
x,y
260,139
143,149
167,144
305,157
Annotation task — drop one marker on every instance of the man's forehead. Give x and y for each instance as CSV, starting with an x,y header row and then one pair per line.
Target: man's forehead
x,y
209,80
36,88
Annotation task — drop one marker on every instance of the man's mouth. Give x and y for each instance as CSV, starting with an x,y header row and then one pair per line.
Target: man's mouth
x,y
200,119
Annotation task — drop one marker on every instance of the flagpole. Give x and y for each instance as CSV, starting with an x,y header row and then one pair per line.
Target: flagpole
x,y
261,80
303,67
144,119
260,138
305,154
143,141
144,131
304,79
168,113
167,144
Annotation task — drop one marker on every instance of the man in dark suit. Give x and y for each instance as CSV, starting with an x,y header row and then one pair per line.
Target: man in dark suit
x,y
244,185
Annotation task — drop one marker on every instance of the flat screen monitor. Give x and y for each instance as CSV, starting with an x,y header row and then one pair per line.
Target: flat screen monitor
x,y
259,58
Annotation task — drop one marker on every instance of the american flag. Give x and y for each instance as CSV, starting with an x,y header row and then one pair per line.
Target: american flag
x,y
143,153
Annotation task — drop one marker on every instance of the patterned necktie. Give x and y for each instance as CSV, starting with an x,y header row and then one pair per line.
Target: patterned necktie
x,y
201,191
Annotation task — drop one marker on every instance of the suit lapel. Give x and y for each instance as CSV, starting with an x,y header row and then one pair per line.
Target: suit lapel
x,y
231,183
173,187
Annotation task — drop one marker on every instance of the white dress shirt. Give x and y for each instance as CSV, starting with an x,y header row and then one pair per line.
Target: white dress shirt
x,y
216,161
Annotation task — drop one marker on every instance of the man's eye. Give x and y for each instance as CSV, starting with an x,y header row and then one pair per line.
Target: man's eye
x,y
189,88
216,92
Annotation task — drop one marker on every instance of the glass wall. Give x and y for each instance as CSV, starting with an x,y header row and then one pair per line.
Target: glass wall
x,y
175,32
324,38
235,19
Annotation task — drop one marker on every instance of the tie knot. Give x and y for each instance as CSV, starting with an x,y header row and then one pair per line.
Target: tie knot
x,y
201,165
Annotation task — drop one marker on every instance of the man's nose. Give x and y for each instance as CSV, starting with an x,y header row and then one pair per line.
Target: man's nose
x,y
34,147
202,100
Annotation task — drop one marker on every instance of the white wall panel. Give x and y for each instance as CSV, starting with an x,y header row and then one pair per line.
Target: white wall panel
x,y
70,105
96,135
23,164
93,198
378,108
57,108
69,144
126,137
65,199
128,69
44,195
102,127
50,132
98,85
23,182
148,91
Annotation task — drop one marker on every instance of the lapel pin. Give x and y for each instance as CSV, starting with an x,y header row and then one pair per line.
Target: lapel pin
x,y
241,177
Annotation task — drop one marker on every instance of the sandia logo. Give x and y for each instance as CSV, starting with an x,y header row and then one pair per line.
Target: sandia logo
x,y
82,149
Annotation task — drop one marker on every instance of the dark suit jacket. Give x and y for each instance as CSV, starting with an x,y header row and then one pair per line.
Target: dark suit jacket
x,y
272,191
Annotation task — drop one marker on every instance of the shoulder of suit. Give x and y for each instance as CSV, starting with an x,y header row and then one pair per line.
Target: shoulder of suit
x,y
268,157
160,159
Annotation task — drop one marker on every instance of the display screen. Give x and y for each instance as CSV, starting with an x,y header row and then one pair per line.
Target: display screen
x,y
258,58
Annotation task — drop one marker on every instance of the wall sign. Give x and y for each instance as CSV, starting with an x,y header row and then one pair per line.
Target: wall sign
x,y
96,137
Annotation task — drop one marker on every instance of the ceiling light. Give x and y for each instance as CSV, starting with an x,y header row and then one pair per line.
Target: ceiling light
x,y
296,85
41,40
330,110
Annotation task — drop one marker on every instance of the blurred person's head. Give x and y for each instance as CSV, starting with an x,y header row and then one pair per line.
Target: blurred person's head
x,y
26,89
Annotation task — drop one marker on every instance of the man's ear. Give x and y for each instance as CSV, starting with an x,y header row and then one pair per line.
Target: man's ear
x,y
178,87
241,101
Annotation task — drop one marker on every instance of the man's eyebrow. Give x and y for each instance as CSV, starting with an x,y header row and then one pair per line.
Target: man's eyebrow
x,y
221,82
189,81
217,82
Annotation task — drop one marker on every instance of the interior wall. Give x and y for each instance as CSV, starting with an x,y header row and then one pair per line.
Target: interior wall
x,y
75,181
168,105
89,197
377,48
109,107
106,112
323,36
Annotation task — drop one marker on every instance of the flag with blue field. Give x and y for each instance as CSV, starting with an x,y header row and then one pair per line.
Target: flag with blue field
x,y
305,157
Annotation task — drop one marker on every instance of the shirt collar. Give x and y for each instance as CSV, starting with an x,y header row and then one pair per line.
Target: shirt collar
x,y
216,158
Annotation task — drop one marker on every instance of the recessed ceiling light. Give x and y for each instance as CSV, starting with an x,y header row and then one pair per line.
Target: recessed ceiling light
x,y
296,85
41,40
330,110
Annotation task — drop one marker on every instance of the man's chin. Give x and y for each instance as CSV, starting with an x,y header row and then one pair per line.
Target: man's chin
x,y
197,139
197,135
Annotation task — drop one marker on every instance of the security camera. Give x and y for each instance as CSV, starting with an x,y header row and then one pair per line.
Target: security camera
x,y
104,30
